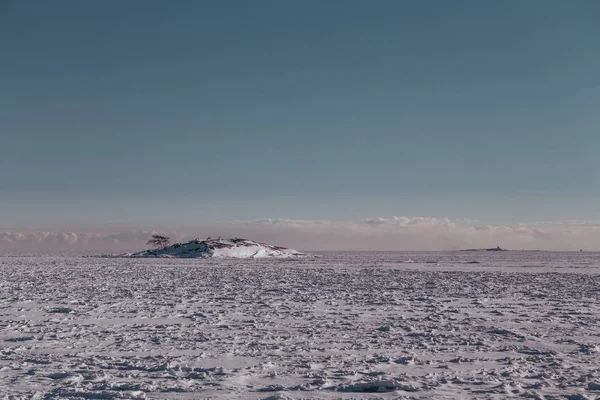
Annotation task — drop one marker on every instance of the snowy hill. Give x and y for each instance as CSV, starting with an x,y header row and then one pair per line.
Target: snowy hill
x,y
220,248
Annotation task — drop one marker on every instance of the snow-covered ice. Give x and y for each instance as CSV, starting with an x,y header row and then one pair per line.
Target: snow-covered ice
x,y
472,325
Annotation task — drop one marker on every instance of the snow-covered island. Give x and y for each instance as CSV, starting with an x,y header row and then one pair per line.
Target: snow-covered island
x,y
219,248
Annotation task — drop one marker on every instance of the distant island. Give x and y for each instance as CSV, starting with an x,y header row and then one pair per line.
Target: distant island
x,y
214,248
491,249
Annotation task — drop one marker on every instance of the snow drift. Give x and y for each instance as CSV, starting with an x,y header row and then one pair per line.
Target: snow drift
x,y
220,248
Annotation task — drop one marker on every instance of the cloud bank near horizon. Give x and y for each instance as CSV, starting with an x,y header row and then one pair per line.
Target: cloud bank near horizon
x,y
396,233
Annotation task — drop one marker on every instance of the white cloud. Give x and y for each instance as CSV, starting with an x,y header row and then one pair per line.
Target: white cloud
x,y
427,233
395,233
59,241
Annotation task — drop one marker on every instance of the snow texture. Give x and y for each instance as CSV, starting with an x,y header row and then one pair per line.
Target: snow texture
x,y
462,325
220,248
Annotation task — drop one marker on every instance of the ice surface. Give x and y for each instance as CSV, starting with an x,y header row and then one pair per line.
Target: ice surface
x,y
347,325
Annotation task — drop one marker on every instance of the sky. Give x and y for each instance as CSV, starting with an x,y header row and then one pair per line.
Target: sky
x,y
300,122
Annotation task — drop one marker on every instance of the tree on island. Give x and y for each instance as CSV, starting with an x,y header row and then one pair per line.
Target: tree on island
x,y
158,241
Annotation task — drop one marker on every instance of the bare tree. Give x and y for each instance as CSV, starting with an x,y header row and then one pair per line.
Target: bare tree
x,y
159,241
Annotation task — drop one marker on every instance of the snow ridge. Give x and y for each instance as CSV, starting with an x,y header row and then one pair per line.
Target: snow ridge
x,y
219,248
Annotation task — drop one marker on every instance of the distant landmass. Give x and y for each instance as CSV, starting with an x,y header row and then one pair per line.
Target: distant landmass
x,y
491,249
219,248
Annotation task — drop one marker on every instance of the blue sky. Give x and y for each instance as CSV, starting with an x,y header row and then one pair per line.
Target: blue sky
x,y
164,114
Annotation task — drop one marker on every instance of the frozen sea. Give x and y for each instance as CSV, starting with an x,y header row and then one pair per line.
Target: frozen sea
x,y
386,325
